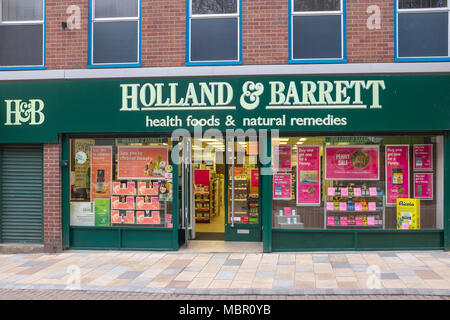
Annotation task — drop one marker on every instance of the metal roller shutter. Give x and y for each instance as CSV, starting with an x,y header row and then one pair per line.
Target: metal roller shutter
x,y
21,194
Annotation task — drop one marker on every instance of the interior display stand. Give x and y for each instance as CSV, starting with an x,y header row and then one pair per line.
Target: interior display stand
x,y
202,205
240,200
291,221
362,211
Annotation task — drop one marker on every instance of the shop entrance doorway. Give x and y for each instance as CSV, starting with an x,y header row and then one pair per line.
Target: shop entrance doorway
x,y
220,194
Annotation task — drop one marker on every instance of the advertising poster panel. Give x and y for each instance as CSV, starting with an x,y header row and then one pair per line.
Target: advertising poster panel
x,y
282,187
282,157
308,175
352,162
397,173
423,157
143,163
101,172
408,214
82,214
201,177
423,186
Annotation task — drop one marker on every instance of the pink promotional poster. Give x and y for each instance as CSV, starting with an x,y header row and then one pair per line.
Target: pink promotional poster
x,y
397,173
282,187
308,173
352,163
282,157
201,177
423,157
423,186
255,178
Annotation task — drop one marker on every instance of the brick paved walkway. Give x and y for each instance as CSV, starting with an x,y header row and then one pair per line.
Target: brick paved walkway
x,y
360,273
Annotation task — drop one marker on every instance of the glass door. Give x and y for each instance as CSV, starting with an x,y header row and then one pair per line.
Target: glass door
x,y
243,205
187,206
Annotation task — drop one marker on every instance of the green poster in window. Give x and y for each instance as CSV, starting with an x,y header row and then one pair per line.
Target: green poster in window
x,y
102,212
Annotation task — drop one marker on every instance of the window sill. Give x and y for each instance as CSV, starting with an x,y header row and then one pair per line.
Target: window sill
x,y
217,63
22,68
421,59
317,61
105,66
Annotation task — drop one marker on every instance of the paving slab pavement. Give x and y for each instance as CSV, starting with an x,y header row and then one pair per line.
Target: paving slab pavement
x,y
422,273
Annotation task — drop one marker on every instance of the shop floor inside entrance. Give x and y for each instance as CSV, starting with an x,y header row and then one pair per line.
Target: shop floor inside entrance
x,y
222,246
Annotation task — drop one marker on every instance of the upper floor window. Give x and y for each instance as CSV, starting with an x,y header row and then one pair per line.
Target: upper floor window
x,y
115,33
22,34
317,31
214,31
423,29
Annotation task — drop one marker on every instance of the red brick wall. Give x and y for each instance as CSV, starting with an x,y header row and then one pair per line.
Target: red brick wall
x,y
66,49
163,34
369,46
264,33
52,198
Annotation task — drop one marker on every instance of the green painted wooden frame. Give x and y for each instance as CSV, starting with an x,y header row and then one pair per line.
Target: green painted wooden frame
x,y
67,230
267,199
1,214
447,190
350,240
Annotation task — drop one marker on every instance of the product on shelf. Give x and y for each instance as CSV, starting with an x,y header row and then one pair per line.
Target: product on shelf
x,y
148,217
147,203
122,202
122,217
148,188
124,188
202,204
354,205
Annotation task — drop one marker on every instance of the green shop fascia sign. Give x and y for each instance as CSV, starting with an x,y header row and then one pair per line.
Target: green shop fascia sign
x,y
36,111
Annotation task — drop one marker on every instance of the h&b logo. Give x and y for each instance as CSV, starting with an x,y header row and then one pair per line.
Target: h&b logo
x,y
19,112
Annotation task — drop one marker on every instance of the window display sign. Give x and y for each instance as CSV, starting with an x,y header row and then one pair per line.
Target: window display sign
x,y
82,150
423,186
408,214
255,178
101,172
201,177
397,173
254,181
282,187
423,157
352,163
82,214
143,163
308,175
281,157
102,210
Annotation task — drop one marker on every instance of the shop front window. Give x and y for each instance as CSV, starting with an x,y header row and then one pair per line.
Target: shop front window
x,y
317,31
358,182
214,31
121,182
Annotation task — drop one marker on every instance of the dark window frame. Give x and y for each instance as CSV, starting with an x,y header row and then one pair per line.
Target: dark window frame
x,y
93,19
24,23
190,16
399,11
341,12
